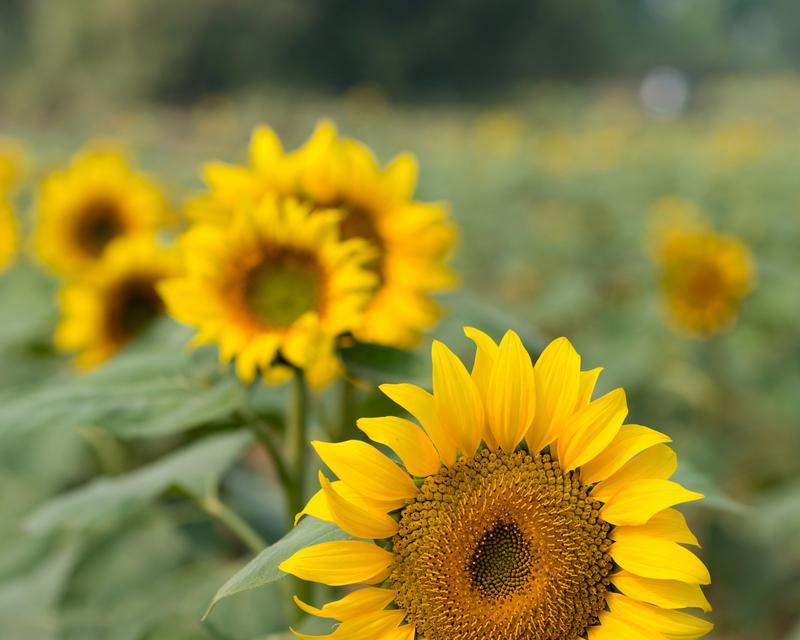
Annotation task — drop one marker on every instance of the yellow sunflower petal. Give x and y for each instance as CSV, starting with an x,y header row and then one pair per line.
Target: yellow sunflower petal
x,y
630,440
668,524
587,383
376,626
659,559
407,440
557,379
636,503
419,403
614,627
340,563
672,624
485,354
317,507
510,401
366,469
591,430
669,594
655,463
405,632
353,605
456,398
355,519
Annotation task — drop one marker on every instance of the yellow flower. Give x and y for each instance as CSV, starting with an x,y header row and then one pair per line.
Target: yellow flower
x,y
704,274
9,233
521,508
12,164
414,239
274,286
82,208
108,305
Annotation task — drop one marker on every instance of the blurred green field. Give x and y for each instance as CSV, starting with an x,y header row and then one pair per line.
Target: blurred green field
x,y
551,190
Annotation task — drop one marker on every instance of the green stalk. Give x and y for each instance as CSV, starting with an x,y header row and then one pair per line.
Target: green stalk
x,y
217,509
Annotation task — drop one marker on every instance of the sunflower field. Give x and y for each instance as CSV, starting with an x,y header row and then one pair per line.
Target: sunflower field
x,y
289,362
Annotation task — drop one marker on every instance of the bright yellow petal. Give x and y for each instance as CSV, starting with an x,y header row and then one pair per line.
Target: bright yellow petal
x,y
557,380
631,439
366,470
405,632
588,381
485,354
340,563
634,504
353,605
419,403
614,627
367,627
672,624
407,440
659,559
669,594
591,430
355,519
317,507
656,463
510,401
456,398
668,524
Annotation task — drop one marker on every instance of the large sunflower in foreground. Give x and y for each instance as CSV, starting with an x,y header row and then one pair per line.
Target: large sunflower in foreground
x,y
274,287
82,208
9,233
521,509
413,239
108,305
704,274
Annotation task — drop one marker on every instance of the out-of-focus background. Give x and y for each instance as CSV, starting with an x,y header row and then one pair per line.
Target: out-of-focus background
x,y
552,127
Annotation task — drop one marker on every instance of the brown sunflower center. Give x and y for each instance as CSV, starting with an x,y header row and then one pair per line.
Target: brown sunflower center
x,y
502,546
702,282
98,224
359,222
282,288
133,307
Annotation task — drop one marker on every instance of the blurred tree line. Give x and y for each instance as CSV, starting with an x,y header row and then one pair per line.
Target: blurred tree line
x,y
178,50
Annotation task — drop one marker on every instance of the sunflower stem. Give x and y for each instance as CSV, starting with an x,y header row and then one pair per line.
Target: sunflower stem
x,y
296,425
218,510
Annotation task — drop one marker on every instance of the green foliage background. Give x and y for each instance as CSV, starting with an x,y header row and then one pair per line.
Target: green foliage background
x,y
107,479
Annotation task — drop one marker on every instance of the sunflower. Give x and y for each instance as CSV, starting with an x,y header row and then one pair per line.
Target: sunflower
x,y
521,509
12,164
82,208
275,287
704,275
414,239
108,305
9,233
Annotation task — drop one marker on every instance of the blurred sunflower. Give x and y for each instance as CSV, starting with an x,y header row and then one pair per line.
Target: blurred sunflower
x,y
414,240
108,305
12,164
704,274
523,509
274,287
9,233
82,208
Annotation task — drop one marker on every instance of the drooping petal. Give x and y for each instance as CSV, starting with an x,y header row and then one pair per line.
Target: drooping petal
x,y
485,354
419,403
340,563
672,624
656,463
634,504
456,398
669,594
407,440
591,430
356,519
557,382
366,470
668,524
614,627
659,559
630,440
353,605
510,401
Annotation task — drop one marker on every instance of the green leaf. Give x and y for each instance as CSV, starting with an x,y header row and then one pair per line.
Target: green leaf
x,y
194,469
155,389
384,364
263,569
